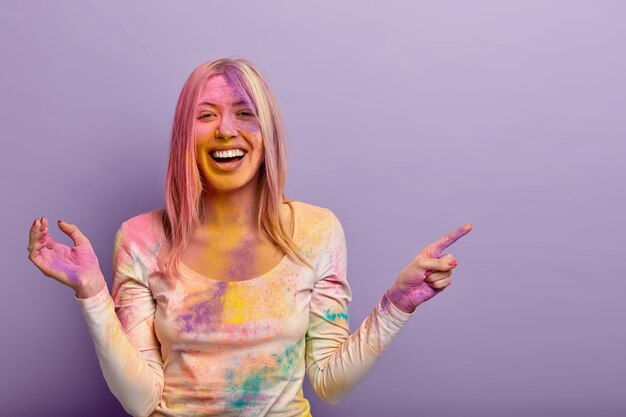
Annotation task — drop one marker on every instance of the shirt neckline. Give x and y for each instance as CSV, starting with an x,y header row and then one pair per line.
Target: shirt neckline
x,y
187,271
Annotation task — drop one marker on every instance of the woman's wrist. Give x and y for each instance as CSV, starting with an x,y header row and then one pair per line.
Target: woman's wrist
x,y
91,287
400,300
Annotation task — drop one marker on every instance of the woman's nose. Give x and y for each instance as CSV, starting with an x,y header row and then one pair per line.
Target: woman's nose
x,y
226,128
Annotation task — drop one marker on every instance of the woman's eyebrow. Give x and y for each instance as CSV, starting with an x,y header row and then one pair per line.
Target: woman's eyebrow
x,y
238,103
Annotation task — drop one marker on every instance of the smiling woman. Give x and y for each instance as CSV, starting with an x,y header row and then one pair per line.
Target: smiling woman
x,y
226,105
228,136
224,299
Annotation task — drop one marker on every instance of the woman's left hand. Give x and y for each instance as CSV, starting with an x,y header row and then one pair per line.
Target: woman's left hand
x,y
428,274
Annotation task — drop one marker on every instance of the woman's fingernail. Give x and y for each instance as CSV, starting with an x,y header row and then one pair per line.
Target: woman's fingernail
x,y
428,272
453,262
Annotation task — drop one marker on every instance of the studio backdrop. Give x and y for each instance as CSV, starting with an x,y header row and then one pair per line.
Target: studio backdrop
x,y
407,119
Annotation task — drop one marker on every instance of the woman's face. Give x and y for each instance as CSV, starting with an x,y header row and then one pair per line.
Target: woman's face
x,y
225,122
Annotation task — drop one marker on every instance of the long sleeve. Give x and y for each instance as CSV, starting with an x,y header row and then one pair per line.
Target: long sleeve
x,y
335,359
122,329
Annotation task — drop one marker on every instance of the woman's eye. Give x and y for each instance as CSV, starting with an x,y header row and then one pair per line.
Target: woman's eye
x,y
246,113
204,116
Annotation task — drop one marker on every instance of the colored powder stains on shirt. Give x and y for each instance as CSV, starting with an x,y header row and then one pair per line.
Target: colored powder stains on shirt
x,y
189,374
246,389
336,316
152,254
143,257
384,304
201,311
248,304
136,258
234,348
251,380
251,388
287,360
235,301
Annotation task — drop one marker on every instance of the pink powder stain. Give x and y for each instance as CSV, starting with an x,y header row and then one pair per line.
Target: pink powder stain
x,y
125,316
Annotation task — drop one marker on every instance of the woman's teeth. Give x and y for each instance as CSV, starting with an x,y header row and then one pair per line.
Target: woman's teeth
x,y
228,156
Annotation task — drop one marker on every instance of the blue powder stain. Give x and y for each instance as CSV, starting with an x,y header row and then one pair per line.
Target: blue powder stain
x,y
251,387
156,249
336,316
286,360
249,392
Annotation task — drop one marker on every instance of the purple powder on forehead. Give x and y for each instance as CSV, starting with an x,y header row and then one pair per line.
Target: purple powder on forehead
x,y
236,79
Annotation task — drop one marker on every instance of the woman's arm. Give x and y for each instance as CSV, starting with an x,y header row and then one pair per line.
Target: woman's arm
x,y
335,359
122,329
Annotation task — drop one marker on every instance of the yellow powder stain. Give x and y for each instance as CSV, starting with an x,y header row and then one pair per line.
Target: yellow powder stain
x,y
235,299
271,301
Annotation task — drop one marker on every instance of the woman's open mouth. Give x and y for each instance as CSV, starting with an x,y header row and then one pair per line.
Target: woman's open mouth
x,y
229,159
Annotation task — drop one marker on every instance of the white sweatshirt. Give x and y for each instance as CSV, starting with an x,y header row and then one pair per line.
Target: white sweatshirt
x,y
207,347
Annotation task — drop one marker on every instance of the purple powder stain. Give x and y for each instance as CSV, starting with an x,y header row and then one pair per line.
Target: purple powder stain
x,y
205,314
71,273
384,304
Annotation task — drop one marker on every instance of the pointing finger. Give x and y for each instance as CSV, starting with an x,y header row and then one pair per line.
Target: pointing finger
x,y
429,265
434,249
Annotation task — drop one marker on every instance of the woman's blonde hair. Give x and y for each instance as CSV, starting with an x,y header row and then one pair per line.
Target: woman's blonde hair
x,y
184,183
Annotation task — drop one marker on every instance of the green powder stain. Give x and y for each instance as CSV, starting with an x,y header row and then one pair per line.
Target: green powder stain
x,y
286,360
249,392
336,316
251,387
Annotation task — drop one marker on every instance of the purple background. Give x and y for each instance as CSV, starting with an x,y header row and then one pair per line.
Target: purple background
x,y
407,120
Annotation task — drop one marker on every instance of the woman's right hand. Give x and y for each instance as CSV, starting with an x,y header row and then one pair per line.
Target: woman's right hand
x,y
75,267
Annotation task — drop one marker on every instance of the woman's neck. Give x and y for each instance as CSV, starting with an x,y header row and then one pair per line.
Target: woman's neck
x,y
235,209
